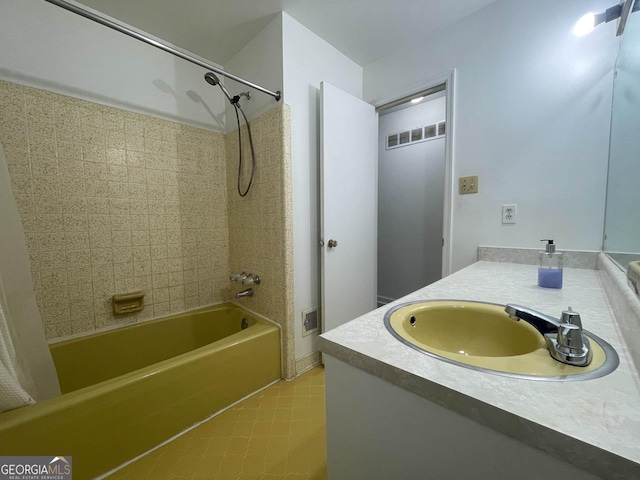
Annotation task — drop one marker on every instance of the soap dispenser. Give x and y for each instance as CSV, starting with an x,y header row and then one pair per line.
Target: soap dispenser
x,y
550,266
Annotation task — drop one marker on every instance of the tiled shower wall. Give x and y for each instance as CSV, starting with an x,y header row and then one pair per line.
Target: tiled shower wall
x,y
113,201
260,230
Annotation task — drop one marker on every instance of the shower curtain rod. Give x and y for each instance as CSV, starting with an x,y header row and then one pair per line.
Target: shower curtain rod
x,y
155,43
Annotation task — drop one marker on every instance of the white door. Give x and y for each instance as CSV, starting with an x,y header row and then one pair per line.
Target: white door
x,y
348,199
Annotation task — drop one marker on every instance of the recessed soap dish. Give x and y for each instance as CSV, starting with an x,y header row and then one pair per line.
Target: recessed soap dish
x,y
124,303
633,277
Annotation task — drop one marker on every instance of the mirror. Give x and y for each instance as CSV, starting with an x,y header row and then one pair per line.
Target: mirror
x,y
622,218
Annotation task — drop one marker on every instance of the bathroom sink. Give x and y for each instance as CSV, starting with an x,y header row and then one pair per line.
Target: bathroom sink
x,y
466,328
482,336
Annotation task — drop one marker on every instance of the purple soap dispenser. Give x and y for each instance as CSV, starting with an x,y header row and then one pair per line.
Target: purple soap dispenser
x,y
550,266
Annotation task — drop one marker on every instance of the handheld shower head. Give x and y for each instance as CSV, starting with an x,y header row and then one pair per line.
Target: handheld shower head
x,y
212,79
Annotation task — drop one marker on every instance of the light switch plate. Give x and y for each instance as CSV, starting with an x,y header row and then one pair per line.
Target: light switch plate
x,y
468,185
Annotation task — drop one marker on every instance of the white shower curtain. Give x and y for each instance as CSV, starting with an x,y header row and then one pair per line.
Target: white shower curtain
x,y
12,395
27,372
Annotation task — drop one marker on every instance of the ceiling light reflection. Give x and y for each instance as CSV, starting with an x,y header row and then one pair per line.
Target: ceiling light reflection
x,y
585,25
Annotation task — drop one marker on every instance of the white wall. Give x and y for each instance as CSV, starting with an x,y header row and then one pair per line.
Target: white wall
x,y
44,46
411,182
308,60
259,61
532,106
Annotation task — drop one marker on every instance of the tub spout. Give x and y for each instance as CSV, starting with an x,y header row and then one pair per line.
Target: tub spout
x,y
248,292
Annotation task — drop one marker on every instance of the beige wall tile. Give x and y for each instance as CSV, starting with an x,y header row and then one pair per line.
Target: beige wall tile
x,y
259,231
102,192
115,201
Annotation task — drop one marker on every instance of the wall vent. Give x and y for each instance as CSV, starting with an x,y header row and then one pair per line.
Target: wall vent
x,y
430,131
310,321
415,135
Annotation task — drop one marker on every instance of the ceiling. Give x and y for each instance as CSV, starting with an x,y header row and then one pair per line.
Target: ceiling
x,y
364,30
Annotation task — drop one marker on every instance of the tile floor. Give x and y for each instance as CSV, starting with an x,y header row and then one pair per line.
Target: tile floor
x,y
279,433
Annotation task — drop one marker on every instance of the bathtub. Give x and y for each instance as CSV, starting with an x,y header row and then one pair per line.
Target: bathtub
x,y
129,389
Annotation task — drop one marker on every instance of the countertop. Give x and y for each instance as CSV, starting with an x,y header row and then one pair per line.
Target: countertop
x,y
593,424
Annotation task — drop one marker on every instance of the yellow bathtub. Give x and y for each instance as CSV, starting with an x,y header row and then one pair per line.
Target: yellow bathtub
x,y
127,390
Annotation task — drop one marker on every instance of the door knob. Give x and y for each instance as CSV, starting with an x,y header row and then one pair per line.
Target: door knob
x,y
332,243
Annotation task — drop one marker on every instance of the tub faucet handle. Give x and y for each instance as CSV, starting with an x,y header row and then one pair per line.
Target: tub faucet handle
x,y
238,277
251,279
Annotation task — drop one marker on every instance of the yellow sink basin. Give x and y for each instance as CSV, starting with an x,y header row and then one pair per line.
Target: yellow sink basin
x,y
482,336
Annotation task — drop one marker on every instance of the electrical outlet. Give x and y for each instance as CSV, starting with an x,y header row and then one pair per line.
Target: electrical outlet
x,y
509,214
468,185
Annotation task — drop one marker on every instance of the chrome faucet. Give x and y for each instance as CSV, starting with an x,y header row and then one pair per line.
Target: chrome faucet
x,y
247,292
564,338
